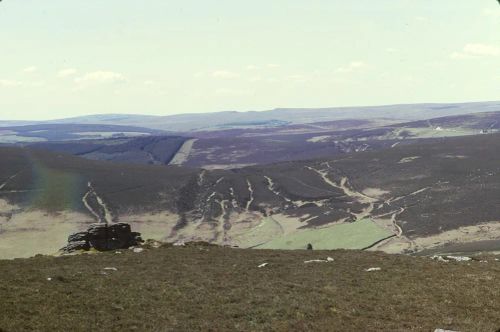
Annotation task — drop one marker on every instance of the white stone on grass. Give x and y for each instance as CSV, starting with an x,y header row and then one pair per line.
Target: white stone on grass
x,y
372,269
327,260
459,258
111,269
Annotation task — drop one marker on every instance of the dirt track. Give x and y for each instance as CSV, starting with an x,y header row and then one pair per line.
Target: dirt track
x,y
182,155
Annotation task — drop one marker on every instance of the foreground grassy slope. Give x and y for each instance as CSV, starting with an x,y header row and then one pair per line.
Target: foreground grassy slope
x,y
221,289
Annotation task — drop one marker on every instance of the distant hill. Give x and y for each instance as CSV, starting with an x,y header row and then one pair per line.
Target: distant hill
x,y
4,123
210,121
237,147
69,131
238,144
243,144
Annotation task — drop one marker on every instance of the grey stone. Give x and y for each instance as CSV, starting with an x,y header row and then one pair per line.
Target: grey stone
x,y
103,237
76,245
77,237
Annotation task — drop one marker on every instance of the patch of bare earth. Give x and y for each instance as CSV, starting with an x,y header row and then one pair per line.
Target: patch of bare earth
x,y
183,154
27,233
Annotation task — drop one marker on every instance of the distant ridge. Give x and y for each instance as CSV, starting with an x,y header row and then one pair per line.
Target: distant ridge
x,y
209,121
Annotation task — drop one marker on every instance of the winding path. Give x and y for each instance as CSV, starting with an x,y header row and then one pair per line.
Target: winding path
x,y
108,217
250,200
7,181
89,208
349,192
399,232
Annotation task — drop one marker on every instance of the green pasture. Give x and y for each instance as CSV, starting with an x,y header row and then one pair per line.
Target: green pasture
x,y
267,230
356,235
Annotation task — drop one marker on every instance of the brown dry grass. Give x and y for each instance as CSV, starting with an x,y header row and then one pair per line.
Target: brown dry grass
x,y
207,288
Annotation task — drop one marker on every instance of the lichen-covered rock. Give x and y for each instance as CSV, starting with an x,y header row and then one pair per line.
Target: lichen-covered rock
x,y
98,236
103,237
80,236
119,236
76,246
136,237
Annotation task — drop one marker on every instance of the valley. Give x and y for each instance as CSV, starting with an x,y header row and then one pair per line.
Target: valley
x,y
405,199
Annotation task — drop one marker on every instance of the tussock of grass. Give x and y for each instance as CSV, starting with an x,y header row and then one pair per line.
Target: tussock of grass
x,y
207,288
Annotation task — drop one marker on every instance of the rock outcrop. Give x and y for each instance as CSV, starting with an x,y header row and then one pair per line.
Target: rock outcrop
x,y
103,237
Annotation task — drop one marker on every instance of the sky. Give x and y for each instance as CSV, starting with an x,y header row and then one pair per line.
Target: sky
x,y
61,58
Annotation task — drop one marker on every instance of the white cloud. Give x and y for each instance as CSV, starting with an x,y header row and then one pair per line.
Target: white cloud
x,y
224,74
482,49
233,92
491,13
199,74
256,78
66,72
252,67
30,69
352,66
476,50
100,77
9,83
298,78
460,55
273,65
37,84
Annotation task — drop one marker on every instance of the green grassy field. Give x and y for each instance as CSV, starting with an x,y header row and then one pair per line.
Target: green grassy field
x,y
264,232
444,132
357,235
208,288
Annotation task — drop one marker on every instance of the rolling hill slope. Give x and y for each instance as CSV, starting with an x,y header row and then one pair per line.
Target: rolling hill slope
x,y
232,148
416,197
157,150
70,131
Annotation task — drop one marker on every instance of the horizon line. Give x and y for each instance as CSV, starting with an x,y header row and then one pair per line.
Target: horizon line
x,y
259,111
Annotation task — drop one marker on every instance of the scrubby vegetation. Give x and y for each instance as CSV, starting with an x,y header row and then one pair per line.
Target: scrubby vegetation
x,y
157,150
209,288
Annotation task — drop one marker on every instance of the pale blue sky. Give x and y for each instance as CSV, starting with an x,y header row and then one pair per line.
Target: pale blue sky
x,y
63,58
